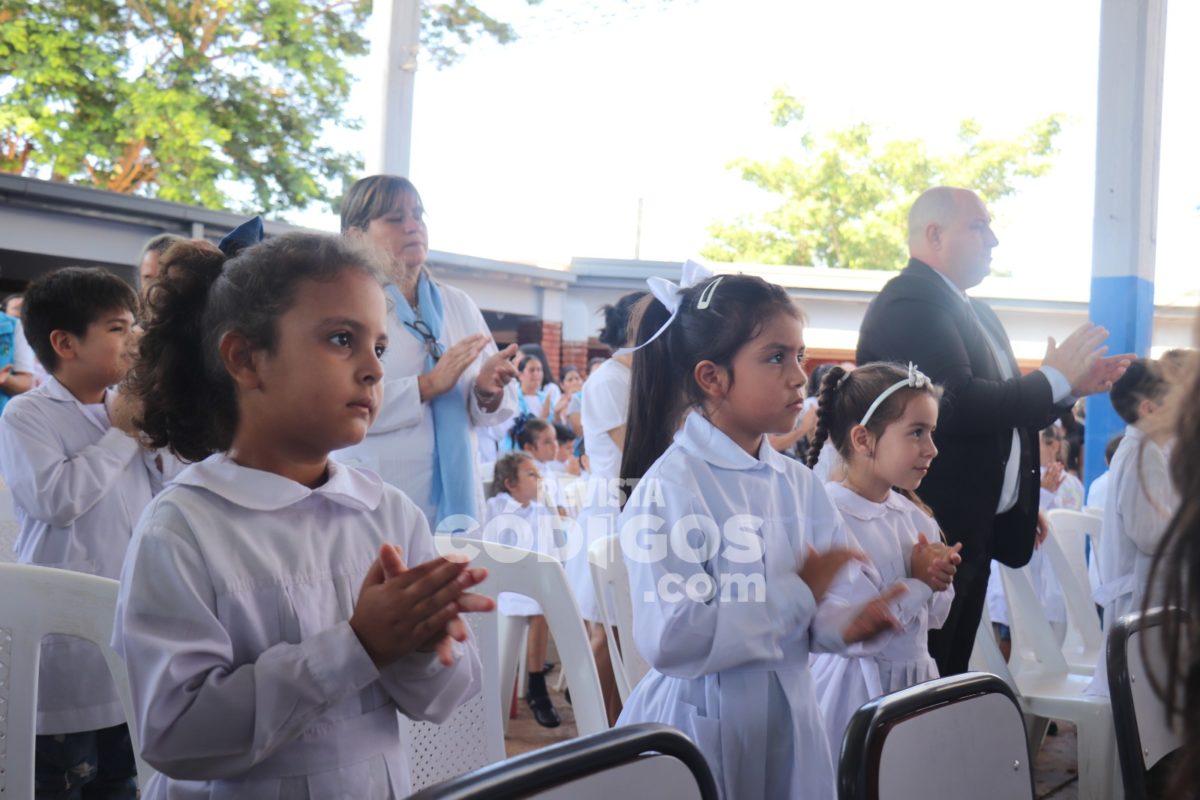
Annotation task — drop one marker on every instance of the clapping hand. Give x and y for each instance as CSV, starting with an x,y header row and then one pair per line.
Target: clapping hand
x,y
1082,361
935,563
875,617
401,610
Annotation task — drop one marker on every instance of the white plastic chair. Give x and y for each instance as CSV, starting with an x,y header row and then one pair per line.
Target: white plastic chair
x,y
1144,734
972,721
10,528
1065,549
473,736
1047,690
36,602
609,577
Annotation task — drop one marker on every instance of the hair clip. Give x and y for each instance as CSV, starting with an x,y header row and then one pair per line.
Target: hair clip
x,y
914,380
707,295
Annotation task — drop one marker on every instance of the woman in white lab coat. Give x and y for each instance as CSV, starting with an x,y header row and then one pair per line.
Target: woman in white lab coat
x,y
444,376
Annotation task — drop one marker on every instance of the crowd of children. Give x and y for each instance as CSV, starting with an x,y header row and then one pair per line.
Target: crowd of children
x,y
278,609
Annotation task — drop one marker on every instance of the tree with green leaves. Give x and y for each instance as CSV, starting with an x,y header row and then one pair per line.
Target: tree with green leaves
x,y
844,199
184,100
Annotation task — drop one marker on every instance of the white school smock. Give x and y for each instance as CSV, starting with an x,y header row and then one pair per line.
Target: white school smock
x,y
399,447
732,671
1137,509
1069,495
78,487
604,406
886,532
530,527
233,620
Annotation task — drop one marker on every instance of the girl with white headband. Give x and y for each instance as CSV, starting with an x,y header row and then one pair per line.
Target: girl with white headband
x,y
721,539
880,419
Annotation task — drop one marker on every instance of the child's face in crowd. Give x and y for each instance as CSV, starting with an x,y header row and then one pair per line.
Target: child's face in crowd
x,y
101,357
544,446
525,488
905,450
573,382
565,451
1048,450
322,387
401,233
767,384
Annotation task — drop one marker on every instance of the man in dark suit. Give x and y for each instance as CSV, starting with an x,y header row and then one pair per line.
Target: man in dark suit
x,y
983,485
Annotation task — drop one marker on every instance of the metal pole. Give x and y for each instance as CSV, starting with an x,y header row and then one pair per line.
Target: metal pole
x,y
397,31
1128,130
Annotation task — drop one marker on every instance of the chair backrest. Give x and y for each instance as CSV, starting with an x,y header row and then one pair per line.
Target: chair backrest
x,y
610,578
1144,734
1065,549
36,602
634,762
1035,648
971,721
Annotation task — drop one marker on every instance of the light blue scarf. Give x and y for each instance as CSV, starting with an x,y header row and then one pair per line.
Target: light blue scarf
x,y
453,464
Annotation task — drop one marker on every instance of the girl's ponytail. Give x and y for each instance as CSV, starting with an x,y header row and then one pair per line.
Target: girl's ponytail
x,y
189,403
654,396
825,413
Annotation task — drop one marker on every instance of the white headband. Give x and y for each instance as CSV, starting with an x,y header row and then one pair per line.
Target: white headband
x,y
667,293
915,380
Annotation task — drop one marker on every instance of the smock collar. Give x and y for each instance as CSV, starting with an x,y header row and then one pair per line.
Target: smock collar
x,y
705,440
259,490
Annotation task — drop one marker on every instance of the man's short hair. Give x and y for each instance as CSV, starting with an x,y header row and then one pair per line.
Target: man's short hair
x,y
71,299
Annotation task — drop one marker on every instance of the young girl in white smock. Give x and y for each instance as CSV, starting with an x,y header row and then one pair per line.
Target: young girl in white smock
x,y
722,537
278,609
881,419
517,517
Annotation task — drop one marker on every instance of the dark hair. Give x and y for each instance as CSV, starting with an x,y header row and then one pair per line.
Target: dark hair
x,y
1176,569
372,197
190,399
507,468
525,432
1110,449
8,299
566,370
71,299
844,400
616,331
563,433
1142,381
160,244
663,385
524,360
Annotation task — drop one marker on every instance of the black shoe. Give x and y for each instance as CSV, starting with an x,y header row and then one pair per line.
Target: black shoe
x,y
548,666
543,711
567,694
1052,729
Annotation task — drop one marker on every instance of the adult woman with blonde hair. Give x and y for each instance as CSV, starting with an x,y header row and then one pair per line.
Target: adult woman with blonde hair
x,y
443,374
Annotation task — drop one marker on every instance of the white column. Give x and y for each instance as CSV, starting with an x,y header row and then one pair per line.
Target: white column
x,y
1128,132
396,27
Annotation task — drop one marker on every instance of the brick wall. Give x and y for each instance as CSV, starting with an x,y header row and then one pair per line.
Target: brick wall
x,y
575,354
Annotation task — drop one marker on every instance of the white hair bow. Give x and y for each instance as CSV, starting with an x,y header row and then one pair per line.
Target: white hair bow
x,y
914,380
668,293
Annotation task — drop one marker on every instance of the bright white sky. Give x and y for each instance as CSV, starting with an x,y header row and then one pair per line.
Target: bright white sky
x,y
540,150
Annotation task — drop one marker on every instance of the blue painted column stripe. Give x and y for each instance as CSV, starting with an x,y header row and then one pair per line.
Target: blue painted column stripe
x,y
1125,305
